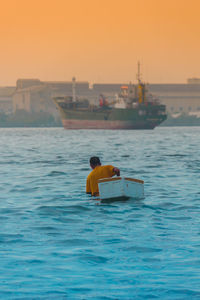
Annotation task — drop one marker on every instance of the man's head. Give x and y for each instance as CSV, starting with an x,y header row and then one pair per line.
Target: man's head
x,y
94,162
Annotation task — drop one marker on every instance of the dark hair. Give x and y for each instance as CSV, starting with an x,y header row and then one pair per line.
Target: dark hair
x,y
95,161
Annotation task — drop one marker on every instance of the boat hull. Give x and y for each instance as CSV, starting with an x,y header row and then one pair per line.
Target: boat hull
x,y
102,124
142,117
118,188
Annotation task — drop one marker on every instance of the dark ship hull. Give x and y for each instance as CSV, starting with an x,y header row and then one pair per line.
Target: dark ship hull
x,y
142,117
92,124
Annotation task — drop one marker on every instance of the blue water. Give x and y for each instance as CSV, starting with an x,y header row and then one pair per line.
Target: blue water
x,y
57,243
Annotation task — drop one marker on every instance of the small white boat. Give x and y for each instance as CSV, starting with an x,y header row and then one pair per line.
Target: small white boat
x,y
119,188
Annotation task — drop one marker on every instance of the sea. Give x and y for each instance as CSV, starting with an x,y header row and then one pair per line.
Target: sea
x,y
56,242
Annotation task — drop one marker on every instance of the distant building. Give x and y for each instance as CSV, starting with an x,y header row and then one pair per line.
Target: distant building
x,y
193,81
33,99
34,95
178,98
25,83
6,94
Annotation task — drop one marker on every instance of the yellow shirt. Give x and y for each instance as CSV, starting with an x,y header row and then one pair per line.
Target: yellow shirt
x,y
98,173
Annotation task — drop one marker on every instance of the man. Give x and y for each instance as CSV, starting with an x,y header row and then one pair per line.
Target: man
x,y
98,172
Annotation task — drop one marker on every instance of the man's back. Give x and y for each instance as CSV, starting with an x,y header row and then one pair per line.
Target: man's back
x,y
98,173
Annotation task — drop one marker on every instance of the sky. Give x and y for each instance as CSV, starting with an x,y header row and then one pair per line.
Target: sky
x,y
99,41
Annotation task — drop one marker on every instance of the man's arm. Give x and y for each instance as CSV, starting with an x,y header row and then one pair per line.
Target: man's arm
x,y
88,189
116,171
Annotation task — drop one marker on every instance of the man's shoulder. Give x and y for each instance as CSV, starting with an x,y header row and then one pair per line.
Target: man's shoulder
x,y
104,167
90,174
97,170
108,167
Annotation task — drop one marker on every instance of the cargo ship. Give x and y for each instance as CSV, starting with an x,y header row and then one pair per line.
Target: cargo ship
x,y
133,108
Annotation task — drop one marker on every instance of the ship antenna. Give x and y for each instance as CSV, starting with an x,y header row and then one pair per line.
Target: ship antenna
x,y
138,76
74,89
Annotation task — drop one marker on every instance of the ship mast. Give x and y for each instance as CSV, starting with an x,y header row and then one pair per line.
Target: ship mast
x,y
74,89
138,76
141,87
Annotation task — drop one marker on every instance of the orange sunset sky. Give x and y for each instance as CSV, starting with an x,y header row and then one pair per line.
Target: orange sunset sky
x,y
100,41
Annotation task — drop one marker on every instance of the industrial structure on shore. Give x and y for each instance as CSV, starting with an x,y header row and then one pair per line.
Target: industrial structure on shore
x,y
33,95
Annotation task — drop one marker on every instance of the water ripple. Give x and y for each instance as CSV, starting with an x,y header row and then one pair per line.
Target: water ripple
x,y
58,243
